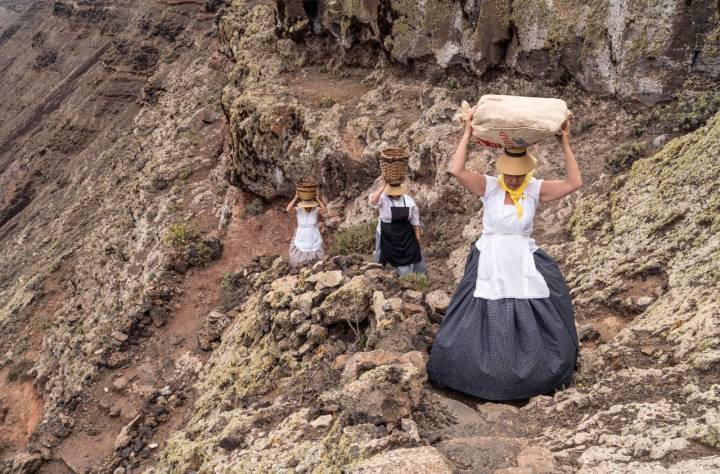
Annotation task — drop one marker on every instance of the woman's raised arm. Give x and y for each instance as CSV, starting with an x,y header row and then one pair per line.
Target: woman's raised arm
x,y
292,203
558,189
375,196
473,182
321,202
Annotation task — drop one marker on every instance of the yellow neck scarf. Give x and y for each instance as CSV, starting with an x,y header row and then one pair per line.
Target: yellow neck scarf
x,y
516,194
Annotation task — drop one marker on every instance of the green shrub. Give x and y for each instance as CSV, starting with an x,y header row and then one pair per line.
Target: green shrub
x,y
184,174
639,126
55,265
255,207
416,281
359,238
199,254
180,235
694,111
625,155
18,371
327,102
232,291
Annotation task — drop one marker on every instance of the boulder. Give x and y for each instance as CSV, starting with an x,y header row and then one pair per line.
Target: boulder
x,y
413,297
306,301
212,329
26,463
539,459
438,301
285,284
384,394
351,302
426,459
125,438
410,427
354,365
497,412
322,280
322,421
277,299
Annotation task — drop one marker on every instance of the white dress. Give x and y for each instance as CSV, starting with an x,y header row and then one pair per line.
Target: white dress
x,y
506,268
307,244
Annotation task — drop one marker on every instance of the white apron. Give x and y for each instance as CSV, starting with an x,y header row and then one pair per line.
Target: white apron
x,y
506,268
307,236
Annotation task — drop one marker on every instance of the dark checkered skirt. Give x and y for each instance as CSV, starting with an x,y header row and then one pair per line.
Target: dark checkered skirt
x,y
506,349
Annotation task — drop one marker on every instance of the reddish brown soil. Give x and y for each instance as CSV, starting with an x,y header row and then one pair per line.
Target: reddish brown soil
x,y
319,89
154,363
21,410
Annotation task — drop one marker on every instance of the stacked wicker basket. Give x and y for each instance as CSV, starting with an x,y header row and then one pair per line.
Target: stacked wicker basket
x,y
394,165
307,190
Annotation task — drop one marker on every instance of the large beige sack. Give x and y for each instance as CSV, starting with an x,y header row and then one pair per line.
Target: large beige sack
x,y
503,121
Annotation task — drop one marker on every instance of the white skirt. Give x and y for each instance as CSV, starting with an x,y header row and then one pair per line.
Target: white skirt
x,y
299,258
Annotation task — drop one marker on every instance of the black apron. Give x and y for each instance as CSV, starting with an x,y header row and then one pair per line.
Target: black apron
x,y
398,244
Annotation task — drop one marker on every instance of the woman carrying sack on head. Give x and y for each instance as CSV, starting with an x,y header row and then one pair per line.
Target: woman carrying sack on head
x,y
397,238
509,332
306,245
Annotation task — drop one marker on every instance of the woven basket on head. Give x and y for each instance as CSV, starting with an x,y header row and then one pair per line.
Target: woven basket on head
x,y
307,190
393,165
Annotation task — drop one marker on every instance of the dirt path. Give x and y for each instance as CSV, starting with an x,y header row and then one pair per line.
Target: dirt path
x,y
21,410
161,360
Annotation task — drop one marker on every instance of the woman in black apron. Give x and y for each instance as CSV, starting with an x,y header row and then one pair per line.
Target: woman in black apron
x,y
397,238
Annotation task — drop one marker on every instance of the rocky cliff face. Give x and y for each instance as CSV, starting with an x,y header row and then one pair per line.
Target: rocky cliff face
x,y
93,173
638,49
146,337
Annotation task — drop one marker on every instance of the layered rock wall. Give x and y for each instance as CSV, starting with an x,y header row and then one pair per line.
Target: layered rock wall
x,y
635,50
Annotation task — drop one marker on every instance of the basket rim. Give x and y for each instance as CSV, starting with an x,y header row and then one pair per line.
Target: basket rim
x,y
394,154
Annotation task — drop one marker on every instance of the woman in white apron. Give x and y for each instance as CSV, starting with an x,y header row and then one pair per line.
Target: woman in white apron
x,y
509,332
397,238
306,245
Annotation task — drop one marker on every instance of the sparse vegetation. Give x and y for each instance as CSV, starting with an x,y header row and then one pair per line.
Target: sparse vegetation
x,y
639,126
55,265
359,238
18,370
416,281
199,254
184,174
625,155
582,125
694,111
180,235
231,293
327,102
255,207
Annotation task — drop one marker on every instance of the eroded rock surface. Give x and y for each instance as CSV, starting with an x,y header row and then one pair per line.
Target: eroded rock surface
x,y
144,315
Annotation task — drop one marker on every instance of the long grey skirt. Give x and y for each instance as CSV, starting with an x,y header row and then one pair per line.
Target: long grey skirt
x,y
506,349
298,258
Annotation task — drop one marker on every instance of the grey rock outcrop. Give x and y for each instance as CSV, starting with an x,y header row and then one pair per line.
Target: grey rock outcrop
x,y
640,49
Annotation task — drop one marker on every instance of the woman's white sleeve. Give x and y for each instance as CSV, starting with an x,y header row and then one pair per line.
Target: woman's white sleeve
x,y
491,185
414,215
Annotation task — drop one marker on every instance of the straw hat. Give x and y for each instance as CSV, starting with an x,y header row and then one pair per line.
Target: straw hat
x,y
516,162
307,204
396,190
